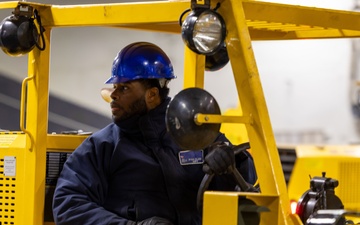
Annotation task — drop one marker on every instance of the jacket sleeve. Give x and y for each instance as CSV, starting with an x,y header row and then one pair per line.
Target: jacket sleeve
x,y
82,187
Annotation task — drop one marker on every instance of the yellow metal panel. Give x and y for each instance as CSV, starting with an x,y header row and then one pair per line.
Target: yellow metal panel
x,y
12,184
12,140
220,208
223,208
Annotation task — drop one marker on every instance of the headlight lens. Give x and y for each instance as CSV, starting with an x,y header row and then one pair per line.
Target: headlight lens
x,y
204,31
207,34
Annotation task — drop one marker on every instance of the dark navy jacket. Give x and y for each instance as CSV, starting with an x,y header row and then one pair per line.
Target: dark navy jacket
x,y
133,173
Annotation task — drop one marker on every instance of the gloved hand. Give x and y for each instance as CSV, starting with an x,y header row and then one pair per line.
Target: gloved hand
x,y
151,221
220,159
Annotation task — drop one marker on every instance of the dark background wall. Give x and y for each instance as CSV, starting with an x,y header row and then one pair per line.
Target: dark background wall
x,y
63,115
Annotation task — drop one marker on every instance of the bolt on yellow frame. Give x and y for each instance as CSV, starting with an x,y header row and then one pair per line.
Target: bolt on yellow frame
x,y
246,21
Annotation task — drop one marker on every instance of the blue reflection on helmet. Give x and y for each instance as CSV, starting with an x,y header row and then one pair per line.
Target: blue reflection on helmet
x,y
140,60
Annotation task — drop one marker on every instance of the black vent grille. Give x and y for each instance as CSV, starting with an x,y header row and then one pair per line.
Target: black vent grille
x,y
287,158
54,164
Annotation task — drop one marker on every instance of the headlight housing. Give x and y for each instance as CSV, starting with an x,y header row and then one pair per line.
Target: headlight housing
x,y
204,31
18,32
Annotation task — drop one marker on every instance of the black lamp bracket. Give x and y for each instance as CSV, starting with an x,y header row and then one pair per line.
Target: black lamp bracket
x,y
200,4
23,10
28,11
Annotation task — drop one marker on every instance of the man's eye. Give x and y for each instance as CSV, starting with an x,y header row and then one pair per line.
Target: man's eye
x,y
121,88
124,88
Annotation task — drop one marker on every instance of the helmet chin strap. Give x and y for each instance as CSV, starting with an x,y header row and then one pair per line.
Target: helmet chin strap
x,y
163,82
105,94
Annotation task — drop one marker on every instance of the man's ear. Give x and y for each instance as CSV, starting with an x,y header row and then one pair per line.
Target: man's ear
x,y
152,98
152,92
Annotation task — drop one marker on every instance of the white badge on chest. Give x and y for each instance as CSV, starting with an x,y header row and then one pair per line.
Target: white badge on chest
x,y
189,157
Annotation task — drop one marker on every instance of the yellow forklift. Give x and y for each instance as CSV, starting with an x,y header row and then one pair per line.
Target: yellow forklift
x,y
27,156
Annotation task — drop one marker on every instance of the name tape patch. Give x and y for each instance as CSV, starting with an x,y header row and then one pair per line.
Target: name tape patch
x,y
190,157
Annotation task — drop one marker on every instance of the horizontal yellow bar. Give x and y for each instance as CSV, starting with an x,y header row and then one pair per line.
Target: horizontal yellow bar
x,y
64,142
301,15
213,118
117,14
266,21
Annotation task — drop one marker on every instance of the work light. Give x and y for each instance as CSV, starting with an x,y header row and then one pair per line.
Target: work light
x,y
203,31
18,32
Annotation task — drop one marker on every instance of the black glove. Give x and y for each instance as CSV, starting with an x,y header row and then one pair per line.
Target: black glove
x,y
220,159
151,221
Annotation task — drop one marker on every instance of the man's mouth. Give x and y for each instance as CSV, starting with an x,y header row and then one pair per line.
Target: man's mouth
x,y
114,107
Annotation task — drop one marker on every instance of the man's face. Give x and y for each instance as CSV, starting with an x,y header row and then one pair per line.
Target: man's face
x,y
128,99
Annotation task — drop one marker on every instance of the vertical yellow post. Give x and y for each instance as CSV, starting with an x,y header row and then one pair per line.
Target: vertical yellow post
x,y
263,146
36,124
194,67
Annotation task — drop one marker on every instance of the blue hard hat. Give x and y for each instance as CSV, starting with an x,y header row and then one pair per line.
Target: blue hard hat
x,y
140,60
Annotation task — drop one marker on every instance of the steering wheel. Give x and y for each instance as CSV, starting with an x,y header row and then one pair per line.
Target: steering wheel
x,y
240,181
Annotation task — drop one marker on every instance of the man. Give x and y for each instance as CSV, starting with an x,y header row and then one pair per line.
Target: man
x,y
129,172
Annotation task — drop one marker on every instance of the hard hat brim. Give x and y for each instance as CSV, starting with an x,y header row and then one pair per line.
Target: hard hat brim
x,y
116,80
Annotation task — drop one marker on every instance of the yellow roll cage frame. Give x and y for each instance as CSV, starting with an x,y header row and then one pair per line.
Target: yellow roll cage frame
x,y
246,21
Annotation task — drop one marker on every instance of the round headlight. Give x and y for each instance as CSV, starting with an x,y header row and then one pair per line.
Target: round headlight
x,y
18,35
203,31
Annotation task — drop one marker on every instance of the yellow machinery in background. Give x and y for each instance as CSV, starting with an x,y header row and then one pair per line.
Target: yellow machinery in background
x,y
338,161
23,154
